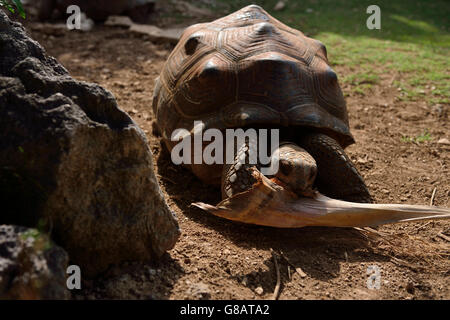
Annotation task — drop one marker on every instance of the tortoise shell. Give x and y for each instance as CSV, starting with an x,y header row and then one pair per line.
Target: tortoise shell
x,y
249,69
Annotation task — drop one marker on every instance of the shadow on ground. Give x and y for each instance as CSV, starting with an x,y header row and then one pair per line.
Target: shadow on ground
x,y
318,251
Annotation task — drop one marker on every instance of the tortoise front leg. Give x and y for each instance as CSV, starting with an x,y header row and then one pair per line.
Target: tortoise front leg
x,y
237,177
337,177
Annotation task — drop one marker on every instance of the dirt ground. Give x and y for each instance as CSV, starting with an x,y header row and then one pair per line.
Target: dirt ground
x,y
219,259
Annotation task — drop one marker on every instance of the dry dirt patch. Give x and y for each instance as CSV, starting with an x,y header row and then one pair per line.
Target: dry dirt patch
x,y
218,259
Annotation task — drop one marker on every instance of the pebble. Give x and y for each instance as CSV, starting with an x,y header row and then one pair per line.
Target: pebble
x,y
361,161
444,141
279,6
259,290
437,108
200,290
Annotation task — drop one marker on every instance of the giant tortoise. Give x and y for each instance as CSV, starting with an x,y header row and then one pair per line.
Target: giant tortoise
x,y
249,70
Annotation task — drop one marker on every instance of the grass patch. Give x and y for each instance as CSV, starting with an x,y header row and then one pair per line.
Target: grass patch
x,y
413,42
40,241
425,136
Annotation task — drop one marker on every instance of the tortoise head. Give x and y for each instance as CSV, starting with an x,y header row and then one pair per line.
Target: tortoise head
x,y
297,169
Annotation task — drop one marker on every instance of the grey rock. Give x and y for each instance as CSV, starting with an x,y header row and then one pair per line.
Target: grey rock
x,y
86,24
259,291
118,21
279,6
72,160
156,34
199,290
31,266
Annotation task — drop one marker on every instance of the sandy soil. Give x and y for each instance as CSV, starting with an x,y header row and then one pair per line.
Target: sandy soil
x,y
218,259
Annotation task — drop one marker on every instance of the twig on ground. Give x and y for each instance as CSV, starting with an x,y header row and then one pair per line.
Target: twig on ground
x,y
371,230
276,292
423,226
432,196
443,236
404,263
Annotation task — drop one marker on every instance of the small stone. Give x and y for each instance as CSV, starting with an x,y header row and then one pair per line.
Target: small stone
x,y
279,6
118,21
444,141
437,108
259,291
361,161
200,290
300,272
156,34
119,84
87,24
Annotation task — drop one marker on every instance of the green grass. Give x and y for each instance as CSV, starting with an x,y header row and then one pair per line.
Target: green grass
x,y
425,136
413,43
40,241
9,4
